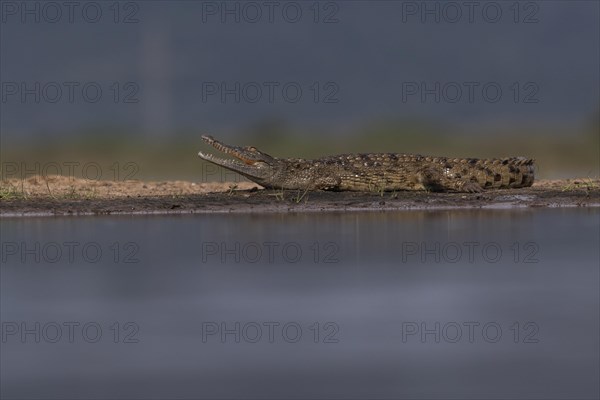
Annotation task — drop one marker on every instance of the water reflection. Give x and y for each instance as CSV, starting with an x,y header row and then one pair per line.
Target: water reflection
x,y
466,304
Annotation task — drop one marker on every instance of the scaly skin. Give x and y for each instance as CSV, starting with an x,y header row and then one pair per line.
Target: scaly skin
x,y
375,171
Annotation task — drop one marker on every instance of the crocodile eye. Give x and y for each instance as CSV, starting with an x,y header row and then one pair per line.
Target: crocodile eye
x,y
251,148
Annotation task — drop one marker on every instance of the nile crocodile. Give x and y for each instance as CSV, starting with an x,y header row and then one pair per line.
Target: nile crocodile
x,y
374,171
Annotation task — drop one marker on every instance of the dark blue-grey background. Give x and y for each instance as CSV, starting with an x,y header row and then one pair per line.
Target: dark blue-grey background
x,y
368,51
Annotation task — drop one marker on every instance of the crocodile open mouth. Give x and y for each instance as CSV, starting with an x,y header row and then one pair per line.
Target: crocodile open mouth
x,y
237,152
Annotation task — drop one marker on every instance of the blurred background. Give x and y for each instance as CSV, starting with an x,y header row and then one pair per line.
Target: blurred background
x,y
131,86
139,82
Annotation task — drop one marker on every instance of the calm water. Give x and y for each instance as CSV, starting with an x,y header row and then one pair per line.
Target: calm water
x,y
473,304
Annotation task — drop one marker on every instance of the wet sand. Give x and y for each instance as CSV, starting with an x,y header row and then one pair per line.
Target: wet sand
x,y
58,195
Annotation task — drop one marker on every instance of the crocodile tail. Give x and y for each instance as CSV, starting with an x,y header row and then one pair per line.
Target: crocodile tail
x,y
512,172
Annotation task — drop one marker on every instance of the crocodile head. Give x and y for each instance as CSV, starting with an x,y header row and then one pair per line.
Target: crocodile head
x,y
252,163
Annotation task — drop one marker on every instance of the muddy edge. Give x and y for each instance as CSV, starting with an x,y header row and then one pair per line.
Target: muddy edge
x,y
62,196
